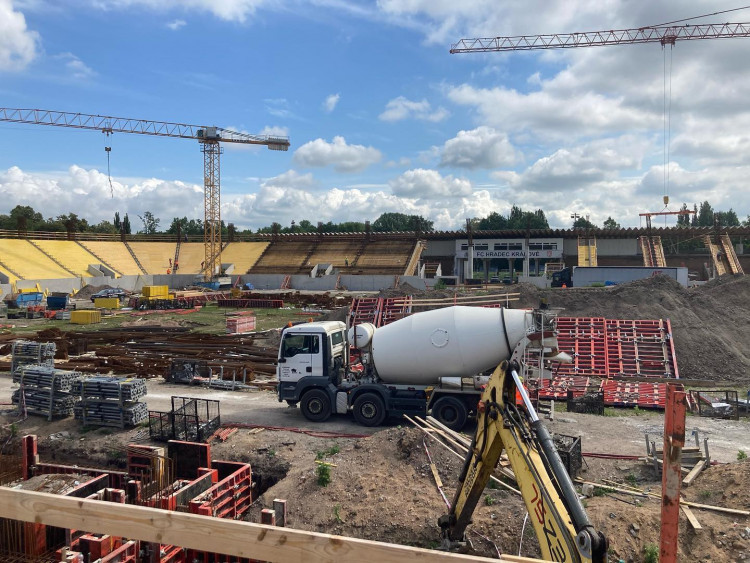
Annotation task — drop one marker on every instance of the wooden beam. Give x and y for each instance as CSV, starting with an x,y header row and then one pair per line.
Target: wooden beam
x,y
692,519
214,535
694,472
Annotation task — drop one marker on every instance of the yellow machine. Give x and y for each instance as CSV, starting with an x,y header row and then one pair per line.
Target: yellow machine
x,y
561,524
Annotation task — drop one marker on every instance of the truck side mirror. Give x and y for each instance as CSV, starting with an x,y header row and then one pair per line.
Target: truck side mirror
x,y
282,360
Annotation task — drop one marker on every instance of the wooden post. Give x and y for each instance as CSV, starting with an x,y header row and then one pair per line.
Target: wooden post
x,y
671,476
268,517
279,506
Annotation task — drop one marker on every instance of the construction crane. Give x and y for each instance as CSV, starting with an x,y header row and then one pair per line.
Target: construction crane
x,y
208,137
664,34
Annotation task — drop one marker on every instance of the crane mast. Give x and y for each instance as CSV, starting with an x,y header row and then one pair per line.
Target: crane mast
x,y
208,137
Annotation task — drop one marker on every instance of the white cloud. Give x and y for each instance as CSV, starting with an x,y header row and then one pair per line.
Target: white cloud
x,y
275,131
402,108
74,67
174,25
87,193
428,184
580,167
330,102
482,147
291,179
342,156
19,46
552,115
229,10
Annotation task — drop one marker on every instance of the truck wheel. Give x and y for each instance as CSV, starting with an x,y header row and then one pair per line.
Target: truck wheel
x,y
369,410
451,412
316,405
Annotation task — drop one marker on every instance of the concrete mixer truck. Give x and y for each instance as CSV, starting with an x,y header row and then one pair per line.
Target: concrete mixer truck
x,y
427,362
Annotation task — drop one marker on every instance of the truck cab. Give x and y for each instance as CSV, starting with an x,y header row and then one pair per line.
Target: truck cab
x,y
311,356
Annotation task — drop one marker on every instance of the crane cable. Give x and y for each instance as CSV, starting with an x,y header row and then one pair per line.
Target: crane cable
x,y
108,150
698,17
667,136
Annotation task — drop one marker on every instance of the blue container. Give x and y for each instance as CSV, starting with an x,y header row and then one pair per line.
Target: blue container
x,y
57,302
213,286
31,298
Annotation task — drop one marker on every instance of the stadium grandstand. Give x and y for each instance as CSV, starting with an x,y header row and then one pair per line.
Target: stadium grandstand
x,y
339,260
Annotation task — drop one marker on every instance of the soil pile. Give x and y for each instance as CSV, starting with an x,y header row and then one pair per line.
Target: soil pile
x,y
710,323
88,290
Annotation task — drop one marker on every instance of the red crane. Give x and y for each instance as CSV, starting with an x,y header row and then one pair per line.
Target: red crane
x,y
664,34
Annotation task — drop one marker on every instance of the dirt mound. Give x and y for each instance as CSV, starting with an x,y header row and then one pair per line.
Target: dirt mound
x,y
88,290
382,488
710,323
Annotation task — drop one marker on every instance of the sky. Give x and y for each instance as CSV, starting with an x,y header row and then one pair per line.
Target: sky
x,y
381,118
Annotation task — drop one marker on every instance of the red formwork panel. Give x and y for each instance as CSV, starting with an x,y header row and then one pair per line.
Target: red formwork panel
x,y
203,557
558,387
609,348
395,308
365,310
126,553
641,347
172,554
230,497
584,339
636,394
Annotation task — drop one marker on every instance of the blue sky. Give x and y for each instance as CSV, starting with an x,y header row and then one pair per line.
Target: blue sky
x,y
380,116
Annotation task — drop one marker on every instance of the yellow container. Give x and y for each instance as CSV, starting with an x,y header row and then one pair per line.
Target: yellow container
x,y
155,291
107,303
85,317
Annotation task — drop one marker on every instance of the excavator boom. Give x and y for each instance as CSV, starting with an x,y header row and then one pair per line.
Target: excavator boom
x,y
557,515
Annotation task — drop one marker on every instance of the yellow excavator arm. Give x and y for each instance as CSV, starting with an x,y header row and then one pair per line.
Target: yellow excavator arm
x,y
555,511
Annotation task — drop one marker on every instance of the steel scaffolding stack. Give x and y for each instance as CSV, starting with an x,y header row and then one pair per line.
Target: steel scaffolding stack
x,y
45,391
26,353
110,401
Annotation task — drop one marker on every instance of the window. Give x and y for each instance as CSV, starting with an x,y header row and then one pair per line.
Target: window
x,y
484,246
515,246
501,246
300,344
337,338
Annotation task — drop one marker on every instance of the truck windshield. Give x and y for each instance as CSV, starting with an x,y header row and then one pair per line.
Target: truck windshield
x,y
300,344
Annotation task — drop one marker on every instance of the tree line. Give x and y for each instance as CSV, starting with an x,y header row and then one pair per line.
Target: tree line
x,y
25,218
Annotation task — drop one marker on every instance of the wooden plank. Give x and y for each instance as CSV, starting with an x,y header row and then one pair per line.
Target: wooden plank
x,y
691,518
205,533
435,474
694,472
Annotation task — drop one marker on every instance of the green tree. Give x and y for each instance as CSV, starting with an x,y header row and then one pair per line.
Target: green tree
x,y
493,222
706,215
25,215
516,219
126,225
583,223
117,222
683,220
727,218
389,222
150,223
610,223
104,227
